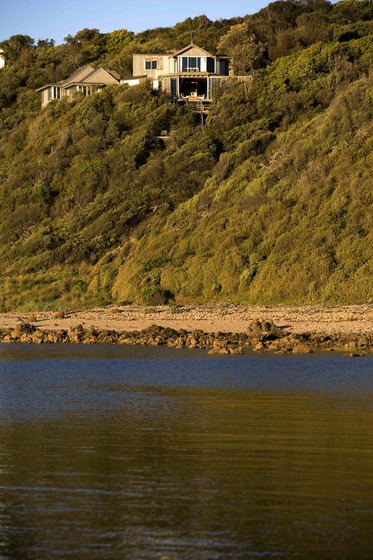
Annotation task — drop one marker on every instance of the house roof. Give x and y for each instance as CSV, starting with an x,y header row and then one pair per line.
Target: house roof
x,y
188,48
83,75
88,77
45,87
79,73
112,73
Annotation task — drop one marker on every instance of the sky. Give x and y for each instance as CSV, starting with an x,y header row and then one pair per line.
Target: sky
x,y
48,19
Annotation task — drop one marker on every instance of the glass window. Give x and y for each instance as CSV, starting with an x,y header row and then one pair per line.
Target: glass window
x,y
210,65
189,63
173,86
55,93
224,67
150,64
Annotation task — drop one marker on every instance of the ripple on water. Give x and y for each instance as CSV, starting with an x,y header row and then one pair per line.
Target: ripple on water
x,y
111,452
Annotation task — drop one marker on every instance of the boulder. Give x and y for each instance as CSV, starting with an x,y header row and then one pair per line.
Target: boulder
x,y
302,348
264,330
216,351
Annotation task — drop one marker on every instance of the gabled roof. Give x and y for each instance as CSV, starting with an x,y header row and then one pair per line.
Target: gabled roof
x,y
79,75
85,75
112,73
188,48
46,86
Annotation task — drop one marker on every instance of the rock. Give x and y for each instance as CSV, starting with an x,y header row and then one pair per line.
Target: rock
x,y
274,346
191,341
38,337
351,344
264,330
25,338
302,348
363,341
7,338
260,335
218,351
24,328
236,350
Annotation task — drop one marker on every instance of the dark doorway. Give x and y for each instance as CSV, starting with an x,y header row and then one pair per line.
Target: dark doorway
x,y
195,87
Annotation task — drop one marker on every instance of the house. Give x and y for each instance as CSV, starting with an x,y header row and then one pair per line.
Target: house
x,y
189,75
191,72
2,58
86,80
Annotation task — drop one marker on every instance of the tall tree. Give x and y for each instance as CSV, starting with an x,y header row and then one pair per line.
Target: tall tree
x,y
15,46
241,44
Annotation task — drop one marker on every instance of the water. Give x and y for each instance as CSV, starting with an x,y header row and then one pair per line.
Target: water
x,y
110,452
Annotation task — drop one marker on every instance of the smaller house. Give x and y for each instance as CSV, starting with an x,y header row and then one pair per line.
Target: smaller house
x,y
2,58
86,80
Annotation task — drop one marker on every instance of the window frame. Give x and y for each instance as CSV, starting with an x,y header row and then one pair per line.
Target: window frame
x,y
151,64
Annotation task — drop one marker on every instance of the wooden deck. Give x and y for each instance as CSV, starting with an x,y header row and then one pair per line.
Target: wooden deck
x,y
196,104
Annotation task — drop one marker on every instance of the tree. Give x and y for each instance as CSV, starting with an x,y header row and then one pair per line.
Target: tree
x,y
241,44
15,46
116,40
86,35
45,43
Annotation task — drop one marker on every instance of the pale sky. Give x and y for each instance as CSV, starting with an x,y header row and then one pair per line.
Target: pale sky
x,y
42,19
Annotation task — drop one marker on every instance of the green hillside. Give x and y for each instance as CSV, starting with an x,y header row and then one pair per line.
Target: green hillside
x,y
271,201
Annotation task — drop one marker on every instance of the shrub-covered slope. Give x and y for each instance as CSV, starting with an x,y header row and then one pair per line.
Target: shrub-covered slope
x,y
270,202
292,226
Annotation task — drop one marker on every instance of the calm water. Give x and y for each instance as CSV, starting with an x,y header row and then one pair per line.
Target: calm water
x,y
113,452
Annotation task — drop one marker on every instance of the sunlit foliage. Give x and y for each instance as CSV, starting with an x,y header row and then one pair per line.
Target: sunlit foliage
x,y
269,202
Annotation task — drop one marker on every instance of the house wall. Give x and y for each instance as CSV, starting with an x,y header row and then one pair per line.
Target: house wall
x,y
133,81
2,60
44,97
140,65
49,93
166,85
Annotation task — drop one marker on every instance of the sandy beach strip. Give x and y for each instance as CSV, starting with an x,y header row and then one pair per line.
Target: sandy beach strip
x,y
226,317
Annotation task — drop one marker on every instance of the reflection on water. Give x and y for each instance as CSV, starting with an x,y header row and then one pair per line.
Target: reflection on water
x,y
117,453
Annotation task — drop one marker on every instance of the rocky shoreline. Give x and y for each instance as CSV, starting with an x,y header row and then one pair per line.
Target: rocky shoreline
x,y
260,336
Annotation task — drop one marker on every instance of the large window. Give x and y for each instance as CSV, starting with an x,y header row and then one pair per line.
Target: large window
x,y
191,64
86,90
150,64
197,64
55,92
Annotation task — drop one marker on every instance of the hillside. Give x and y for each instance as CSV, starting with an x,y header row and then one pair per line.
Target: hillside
x,y
270,202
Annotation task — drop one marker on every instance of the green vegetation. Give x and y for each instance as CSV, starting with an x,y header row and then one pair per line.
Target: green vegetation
x,y
270,202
